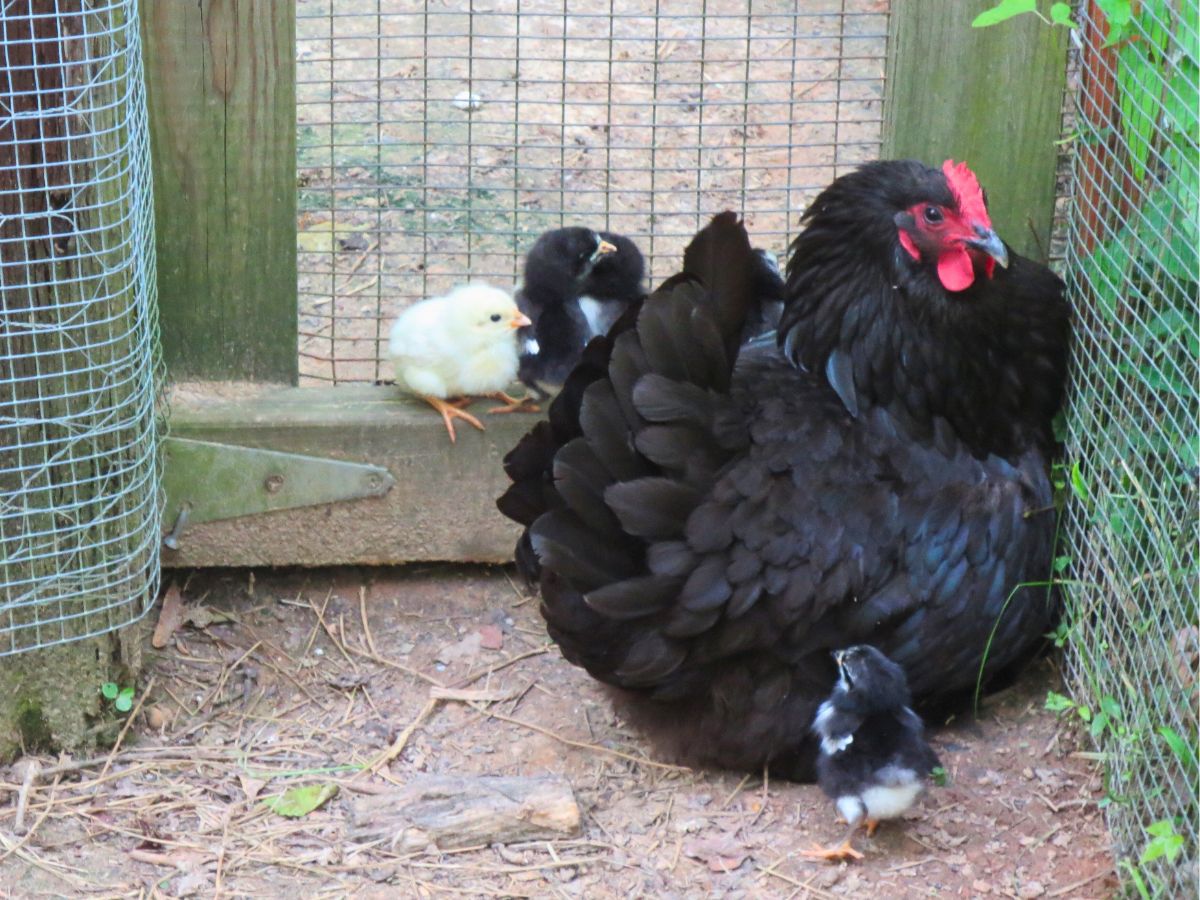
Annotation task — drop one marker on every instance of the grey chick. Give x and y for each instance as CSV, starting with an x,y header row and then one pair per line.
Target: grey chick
x,y
874,759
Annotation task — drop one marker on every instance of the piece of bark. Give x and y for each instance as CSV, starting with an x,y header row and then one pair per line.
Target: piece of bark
x,y
463,811
170,617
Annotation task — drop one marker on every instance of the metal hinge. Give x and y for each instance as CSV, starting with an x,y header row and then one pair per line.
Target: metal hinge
x,y
204,482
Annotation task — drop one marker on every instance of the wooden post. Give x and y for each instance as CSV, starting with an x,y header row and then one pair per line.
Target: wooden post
x,y
989,96
222,97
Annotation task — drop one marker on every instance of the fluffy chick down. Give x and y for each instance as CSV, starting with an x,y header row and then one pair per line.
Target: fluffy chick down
x,y
463,343
874,758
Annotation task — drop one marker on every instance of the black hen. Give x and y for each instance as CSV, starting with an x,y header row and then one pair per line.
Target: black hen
x,y
707,520
873,758
577,283
769,291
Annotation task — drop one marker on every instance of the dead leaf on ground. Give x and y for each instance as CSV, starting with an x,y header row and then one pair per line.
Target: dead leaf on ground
x,y
721,853
355,242
491,637
251,786
183,860
316,237
203,616
348,681
170,617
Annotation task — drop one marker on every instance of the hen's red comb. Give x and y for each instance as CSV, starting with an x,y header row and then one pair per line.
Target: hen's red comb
x,y
967,193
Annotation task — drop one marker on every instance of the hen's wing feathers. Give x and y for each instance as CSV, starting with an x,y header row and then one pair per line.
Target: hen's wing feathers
x,y
566,545
637,443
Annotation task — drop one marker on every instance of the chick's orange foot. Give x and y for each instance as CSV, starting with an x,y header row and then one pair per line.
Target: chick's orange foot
x,y
524,404
842,852
451,411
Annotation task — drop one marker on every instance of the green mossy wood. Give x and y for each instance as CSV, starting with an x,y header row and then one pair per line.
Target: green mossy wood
x,y
989,96
222,94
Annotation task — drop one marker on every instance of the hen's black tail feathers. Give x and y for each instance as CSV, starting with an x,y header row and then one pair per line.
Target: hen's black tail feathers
x,y
606,485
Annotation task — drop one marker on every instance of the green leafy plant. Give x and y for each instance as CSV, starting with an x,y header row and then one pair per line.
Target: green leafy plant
x,y
1128,484
1107,716
296,802
1164,841
120,697
1060,13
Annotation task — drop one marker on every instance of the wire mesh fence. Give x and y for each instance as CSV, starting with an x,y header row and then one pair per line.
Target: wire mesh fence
x,y
1134,426
436,141
79,518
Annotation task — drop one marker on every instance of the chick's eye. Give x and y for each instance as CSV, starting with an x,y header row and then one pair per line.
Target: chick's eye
x,y
933,215
495,317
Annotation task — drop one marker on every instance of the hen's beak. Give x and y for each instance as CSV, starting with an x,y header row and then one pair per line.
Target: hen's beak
x,y
837,657
520,320
989,242
603,249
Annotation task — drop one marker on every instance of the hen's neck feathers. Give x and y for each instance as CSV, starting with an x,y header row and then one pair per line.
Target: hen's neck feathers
x,y
990,360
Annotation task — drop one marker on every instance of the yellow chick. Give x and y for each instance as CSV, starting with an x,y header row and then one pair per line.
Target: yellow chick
x,y
463,344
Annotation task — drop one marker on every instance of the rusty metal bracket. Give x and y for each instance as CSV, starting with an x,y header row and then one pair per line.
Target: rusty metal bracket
x,y
205,482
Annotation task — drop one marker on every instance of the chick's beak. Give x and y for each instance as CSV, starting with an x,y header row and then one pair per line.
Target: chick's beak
x,y
520,320
989,242
603,249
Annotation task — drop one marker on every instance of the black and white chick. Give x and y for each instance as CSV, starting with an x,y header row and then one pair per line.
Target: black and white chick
x,y
577,283
874,759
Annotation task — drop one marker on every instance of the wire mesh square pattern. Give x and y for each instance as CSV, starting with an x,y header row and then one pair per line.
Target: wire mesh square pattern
x,y
79,513
1134,425
437,140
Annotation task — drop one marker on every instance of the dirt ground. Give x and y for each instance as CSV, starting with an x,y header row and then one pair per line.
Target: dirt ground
x,y
270,681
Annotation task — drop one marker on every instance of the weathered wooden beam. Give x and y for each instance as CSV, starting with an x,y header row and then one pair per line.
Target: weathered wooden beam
x,y
451,811
220,77
442,507
990,96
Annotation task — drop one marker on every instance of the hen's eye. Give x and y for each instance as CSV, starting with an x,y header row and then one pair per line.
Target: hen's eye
x,y
933,215
495,317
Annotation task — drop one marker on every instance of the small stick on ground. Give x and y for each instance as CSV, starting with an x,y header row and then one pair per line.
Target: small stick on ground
x,y
401,740
224,677
25,838
503,664
320,614
362,612
737,790
32,769
312,635
582,745
359,288
1078,884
